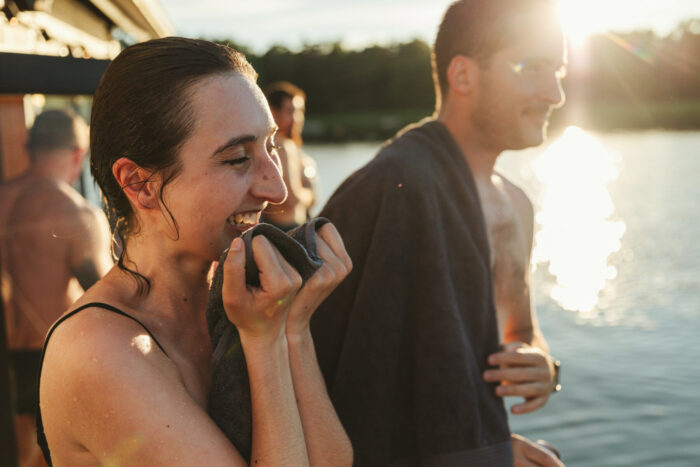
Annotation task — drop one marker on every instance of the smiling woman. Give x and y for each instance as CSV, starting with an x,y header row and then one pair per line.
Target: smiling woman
x,y
181,145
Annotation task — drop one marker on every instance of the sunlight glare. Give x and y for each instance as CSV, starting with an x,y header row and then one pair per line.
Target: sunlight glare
x,y
578,20
575,236
142,342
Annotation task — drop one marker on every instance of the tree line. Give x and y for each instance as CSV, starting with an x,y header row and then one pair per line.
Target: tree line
x,y
620,80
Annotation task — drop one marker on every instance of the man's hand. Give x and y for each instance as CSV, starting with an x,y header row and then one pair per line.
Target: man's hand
x,y
523,371
528,454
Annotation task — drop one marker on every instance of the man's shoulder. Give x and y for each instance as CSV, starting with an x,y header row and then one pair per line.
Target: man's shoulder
x,y
520,199
56,204
413,144
521,203
408,155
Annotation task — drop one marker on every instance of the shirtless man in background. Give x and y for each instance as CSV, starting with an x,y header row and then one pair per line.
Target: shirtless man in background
x,y
287,103
53,246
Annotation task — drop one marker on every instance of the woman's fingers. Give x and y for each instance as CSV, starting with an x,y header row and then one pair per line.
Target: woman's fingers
x,y
333,269
277,277
329,234
234,290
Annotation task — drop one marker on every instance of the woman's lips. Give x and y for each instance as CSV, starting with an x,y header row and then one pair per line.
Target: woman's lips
x,y
244,219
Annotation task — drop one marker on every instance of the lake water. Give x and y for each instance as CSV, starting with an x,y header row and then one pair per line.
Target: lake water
x,y
617,287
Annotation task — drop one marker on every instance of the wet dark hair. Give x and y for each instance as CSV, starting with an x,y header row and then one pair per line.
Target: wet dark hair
x,y
278,91
54,129
142,111
478,29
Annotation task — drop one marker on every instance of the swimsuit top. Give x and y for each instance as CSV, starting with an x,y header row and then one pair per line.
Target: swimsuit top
x,y
41,437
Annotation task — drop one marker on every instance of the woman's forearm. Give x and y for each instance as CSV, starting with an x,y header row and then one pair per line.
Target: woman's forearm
x,y
326,440
278,437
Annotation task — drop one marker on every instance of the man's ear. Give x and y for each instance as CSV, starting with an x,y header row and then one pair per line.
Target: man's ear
x,y
136,183
462,75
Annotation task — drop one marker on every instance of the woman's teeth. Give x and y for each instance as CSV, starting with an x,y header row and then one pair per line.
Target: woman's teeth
x,y
245,219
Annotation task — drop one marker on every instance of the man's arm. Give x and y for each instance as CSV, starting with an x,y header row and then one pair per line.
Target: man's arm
x,y
525,367
89,251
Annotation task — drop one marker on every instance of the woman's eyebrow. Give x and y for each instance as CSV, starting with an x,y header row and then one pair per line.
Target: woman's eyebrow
x,y
235,141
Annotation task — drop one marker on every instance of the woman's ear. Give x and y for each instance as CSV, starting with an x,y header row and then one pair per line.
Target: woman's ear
x,y
462,75
136,183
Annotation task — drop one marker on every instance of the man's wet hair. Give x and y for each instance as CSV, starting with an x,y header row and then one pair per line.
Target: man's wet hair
x,y
478,29
142,110
56,129
278,91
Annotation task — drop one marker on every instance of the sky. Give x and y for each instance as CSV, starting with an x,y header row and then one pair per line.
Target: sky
x,y
357,23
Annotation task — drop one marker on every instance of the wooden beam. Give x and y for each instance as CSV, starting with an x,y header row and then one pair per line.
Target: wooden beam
x,y
8,443
29,74
13,136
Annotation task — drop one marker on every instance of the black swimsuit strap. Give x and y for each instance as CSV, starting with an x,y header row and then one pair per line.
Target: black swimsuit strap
x,y
41,437
106,307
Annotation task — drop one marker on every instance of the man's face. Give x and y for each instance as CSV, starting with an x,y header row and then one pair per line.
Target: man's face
x,y
290,116
520,86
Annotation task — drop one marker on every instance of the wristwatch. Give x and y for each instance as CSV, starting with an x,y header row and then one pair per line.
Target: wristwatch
x,y
557,374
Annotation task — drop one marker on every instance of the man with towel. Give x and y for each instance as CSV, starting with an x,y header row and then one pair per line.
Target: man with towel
x,y
410,343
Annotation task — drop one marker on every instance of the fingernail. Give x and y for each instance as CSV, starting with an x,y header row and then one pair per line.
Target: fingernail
x,y
492,360
237,244
487,374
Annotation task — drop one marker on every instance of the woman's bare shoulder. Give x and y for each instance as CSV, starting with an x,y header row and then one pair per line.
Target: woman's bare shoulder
x,y
106,388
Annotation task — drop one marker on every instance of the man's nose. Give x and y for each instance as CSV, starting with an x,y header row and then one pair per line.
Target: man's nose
x,y
268,184
552,92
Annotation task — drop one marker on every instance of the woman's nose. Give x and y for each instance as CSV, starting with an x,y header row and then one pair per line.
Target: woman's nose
x,y
268,184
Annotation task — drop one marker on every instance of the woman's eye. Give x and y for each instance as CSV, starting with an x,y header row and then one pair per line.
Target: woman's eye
x,y
237,161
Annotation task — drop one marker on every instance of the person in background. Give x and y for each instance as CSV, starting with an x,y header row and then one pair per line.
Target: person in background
x,y
435,324
54,245
287,103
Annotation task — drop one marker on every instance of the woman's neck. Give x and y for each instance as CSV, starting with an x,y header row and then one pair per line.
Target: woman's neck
x,y
178,282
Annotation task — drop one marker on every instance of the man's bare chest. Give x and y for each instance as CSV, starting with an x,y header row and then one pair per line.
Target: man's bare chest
x,y
507,235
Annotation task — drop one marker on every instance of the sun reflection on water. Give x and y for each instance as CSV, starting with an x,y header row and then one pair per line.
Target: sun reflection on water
x,y
576,236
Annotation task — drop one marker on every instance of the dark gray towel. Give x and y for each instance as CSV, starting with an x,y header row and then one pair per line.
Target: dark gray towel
x,y
404,339
229,396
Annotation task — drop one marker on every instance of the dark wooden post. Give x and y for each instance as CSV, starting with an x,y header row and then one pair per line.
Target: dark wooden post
x,y
8,444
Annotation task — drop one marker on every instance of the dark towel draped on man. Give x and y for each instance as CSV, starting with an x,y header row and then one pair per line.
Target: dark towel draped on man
x,y
404,340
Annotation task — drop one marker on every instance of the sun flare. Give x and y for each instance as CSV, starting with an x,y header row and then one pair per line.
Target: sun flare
x,y
578,229
578,20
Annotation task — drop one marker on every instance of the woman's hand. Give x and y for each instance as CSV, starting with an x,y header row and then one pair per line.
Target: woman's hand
x,y
259,313
336,266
